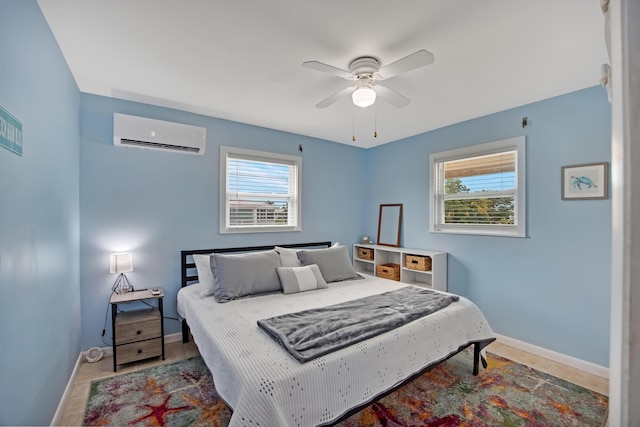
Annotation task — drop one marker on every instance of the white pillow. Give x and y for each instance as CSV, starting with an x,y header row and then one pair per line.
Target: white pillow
x,y
205,274
300,279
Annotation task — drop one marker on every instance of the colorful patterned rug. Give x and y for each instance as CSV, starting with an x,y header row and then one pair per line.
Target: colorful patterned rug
x,y
506,394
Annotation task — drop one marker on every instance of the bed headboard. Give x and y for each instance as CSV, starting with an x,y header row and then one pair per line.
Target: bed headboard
x,y
188,266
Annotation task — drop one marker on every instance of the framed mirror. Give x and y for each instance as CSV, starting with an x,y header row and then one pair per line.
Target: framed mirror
x,y
389,223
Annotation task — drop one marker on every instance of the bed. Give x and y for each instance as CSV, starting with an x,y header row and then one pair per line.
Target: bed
x,y
265,385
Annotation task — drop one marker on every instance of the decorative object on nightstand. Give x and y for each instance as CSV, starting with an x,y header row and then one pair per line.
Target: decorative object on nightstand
x,y
121,263
366,241
137,334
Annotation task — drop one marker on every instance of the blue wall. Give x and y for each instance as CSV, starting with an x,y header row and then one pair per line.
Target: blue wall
x,y
551,289
39,220
156,204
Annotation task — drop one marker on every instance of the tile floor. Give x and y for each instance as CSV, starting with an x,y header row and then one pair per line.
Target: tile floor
x,y
73,413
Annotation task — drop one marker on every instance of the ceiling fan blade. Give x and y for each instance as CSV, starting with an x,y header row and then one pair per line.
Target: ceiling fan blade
x,y
322,67
391,96
421,58
333,98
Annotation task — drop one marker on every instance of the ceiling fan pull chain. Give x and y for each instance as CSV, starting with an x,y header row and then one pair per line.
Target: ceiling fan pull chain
x,y
353,126
375,122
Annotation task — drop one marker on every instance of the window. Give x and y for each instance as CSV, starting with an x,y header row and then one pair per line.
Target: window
x,y
480,189
259,191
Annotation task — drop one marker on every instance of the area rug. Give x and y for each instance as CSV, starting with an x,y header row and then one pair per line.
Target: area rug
x,y
506,394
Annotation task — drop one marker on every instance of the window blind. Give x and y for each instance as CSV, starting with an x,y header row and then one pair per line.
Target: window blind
x,y
480,189
261,192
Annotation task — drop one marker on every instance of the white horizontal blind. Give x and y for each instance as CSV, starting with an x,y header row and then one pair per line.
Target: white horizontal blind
x,y
480,190
261,192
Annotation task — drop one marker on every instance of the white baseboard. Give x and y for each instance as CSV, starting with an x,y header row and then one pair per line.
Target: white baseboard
x,y
67,393
177,337
574,362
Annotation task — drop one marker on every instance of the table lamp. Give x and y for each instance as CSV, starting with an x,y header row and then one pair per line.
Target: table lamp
x,y
121,263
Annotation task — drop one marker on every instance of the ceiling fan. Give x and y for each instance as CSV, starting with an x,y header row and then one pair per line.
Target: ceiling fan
x,y
366,73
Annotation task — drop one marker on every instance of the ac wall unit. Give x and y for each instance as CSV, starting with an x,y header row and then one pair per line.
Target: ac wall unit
x,y
141,132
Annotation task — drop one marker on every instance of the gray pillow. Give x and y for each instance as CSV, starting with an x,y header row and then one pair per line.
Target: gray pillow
x,y
334,263
243,275
300,279
288,257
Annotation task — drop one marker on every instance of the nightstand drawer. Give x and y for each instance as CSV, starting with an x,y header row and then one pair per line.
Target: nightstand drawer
x,y
137,325
139,350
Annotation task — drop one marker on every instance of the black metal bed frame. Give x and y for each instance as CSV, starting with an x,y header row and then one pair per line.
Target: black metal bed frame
x,y
188,279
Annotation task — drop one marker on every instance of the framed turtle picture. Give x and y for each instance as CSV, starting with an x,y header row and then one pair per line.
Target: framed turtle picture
x,y
589,181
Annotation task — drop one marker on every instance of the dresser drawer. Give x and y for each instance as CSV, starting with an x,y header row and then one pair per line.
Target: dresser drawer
x,y
137,325
139,350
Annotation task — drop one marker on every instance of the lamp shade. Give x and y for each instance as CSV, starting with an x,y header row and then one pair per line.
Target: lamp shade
x,y
364,96
121,263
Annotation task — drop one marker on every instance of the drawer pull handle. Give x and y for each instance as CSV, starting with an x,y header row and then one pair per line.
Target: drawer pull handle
x,y
138,332
413,261
139,350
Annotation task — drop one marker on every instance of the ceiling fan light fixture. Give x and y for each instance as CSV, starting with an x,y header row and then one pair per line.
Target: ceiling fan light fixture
x,y
364,96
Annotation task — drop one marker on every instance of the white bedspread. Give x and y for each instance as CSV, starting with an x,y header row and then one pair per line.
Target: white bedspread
x,y
267,387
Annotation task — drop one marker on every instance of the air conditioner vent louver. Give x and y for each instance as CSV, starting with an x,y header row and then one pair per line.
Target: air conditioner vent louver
x,y
141,132
138,143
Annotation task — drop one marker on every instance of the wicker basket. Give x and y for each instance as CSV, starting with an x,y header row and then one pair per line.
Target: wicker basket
x,y
365,253
419,263
389,271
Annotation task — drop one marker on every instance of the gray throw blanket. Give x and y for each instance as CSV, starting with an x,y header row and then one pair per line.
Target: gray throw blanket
x,y
313,333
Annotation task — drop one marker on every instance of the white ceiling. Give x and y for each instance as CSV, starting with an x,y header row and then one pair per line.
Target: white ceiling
x,y
241,60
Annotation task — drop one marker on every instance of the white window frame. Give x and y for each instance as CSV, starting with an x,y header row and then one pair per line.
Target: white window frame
x,y
436,197
295,203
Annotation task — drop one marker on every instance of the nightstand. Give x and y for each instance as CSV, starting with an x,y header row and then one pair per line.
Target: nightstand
x,y
137,334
